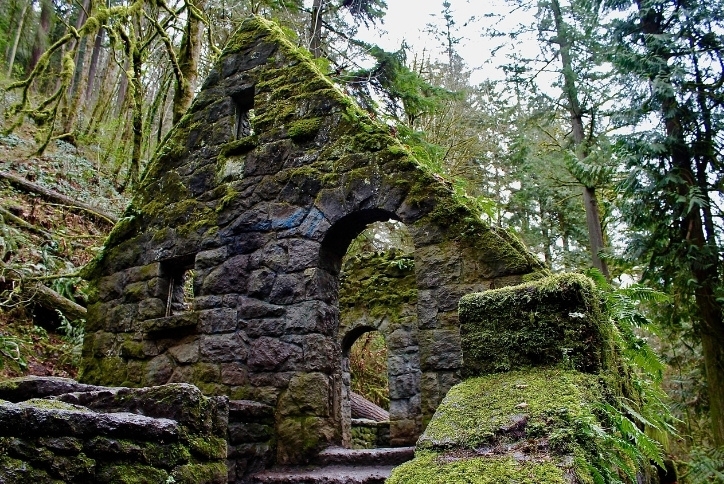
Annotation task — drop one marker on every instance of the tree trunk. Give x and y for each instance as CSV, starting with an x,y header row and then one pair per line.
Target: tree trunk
x,y
315,29
590,201
41,34
93,67
16,40
134,169
122,89
188,60
705,267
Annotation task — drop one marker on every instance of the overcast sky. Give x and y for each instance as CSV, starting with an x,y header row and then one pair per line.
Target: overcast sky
x,y
408,20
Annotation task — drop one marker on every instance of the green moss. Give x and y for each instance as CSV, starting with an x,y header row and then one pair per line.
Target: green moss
x,y
377,284
555,320
304,129
132,349
131,474
44,404
430,468
121,231
18,471
10,385
240,146
474,412
103,371
208,447
200,473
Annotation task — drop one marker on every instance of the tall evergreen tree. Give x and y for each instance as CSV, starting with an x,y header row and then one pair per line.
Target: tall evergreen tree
x,y
675,50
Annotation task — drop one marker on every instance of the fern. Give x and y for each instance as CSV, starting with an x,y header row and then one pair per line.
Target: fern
x,y
706,466
638,425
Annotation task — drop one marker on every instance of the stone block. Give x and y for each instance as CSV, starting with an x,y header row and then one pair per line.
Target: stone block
x,y
217,348
320,353
234,374
214,321
249,432
159,370
308,394
288,289
399,363
143,273
405,386
211,258
268,354
438,265
399,339
311,317
229,277
261,282
111,287
285,216
314,227
440,349
185,353
426,310
303,254
151,308
248,242
254,308
264,327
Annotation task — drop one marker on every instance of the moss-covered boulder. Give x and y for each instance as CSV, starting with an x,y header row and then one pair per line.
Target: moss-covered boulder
x,y
555,320
516,427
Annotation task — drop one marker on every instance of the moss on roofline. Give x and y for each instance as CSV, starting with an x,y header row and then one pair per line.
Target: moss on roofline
x,y
291,91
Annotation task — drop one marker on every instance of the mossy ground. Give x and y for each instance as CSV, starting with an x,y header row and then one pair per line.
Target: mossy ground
x,y
475,412
432,468
515,427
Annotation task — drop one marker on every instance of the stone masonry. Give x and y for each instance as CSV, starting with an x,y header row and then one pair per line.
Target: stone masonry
x,y
224,270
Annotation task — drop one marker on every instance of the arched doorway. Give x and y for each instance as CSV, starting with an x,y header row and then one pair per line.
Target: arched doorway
x,y
365,392
378,296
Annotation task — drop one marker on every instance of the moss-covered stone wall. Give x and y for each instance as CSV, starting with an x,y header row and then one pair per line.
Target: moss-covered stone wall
x,y
56,430
262,221
557,320
541,365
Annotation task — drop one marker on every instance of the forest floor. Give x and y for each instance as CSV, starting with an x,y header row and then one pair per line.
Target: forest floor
x,y
55,240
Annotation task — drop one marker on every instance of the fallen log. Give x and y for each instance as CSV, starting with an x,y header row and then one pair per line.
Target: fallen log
x,y
51,300
17,221
54,196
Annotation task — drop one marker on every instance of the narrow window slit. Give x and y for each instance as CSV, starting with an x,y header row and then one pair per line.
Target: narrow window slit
x,y
180,275
244,112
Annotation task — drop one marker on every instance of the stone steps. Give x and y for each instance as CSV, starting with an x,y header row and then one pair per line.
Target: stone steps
x,y
340,466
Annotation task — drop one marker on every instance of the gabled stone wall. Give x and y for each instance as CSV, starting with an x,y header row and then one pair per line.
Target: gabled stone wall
x,y
252,201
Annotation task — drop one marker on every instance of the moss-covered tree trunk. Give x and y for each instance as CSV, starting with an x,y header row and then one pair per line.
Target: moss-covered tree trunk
x,y
315,29
188,59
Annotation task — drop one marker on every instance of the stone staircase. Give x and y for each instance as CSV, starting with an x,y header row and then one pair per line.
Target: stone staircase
x,y
336,465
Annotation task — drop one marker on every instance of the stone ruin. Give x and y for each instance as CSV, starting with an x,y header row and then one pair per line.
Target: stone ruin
x,y
224,270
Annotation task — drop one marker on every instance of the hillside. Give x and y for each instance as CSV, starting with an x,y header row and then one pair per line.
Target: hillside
x,y
42,238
